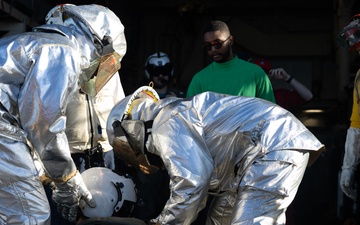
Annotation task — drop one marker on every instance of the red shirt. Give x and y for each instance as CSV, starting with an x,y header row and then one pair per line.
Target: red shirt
x,y
288,99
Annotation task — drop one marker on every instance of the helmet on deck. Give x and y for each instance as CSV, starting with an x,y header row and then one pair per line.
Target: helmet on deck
x,y
114,195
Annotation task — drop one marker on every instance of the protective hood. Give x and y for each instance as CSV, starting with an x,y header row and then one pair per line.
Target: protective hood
x,y
106,33
128,132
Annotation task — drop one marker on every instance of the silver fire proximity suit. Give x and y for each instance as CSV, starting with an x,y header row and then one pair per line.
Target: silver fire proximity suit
x,y
250,153
39,71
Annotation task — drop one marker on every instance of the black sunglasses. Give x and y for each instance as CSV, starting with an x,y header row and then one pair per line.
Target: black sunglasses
x,y
217,44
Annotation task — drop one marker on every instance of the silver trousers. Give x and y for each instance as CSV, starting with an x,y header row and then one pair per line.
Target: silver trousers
x,y
266,190
22,196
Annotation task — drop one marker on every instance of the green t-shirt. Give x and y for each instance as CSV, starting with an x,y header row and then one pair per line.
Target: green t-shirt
x,y
235,77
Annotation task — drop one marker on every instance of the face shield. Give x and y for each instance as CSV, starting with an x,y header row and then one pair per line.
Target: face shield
x,y
349,37
133,157
109,42
129,134
104,68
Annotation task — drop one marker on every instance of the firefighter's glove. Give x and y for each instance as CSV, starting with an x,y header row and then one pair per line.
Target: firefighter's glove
x,y
347,183
67,196
350,162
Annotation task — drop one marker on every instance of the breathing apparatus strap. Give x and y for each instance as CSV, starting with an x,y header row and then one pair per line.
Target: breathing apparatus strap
x,y
118,130
152,160
107,45
148,128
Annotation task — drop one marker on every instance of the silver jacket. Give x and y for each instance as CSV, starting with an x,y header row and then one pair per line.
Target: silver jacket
x,y
34,91
202,139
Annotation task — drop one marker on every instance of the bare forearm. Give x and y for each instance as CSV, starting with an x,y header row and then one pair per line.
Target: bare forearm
x,y
303,91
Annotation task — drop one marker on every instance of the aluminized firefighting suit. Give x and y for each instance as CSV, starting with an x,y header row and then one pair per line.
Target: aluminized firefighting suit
x,y
249,152
39,70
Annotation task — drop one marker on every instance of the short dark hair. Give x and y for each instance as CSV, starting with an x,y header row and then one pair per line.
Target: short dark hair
x,y
217,25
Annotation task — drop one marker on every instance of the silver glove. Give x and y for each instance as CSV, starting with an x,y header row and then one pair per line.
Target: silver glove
x,y
347,183
67,196
351,160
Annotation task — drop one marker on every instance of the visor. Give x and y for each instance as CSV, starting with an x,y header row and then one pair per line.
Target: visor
x,y
155,71
108,65
125,152
349,37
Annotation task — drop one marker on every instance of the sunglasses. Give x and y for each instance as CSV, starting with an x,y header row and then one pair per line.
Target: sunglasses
x,y
217,44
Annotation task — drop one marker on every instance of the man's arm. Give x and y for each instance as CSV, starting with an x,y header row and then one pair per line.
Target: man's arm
x,y
185,156
42,110
352,153
281,74
43,100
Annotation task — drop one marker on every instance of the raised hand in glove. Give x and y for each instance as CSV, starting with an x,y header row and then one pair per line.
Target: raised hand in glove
x,y
347,183
67,196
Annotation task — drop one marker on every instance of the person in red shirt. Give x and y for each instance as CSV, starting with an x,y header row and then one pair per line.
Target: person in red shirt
x,y
292,97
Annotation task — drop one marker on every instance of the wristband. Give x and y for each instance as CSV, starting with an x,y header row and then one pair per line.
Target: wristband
x,y
289,80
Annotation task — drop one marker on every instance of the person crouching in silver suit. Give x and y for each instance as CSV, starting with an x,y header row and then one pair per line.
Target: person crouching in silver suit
x,y
39,70
248,152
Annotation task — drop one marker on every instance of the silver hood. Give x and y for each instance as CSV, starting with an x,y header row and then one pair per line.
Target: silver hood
x,y
104,31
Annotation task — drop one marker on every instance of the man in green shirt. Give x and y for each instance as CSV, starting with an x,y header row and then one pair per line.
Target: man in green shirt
x,y
228,74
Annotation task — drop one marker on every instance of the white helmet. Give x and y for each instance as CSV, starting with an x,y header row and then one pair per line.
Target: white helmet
x,y
158,63
114,195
